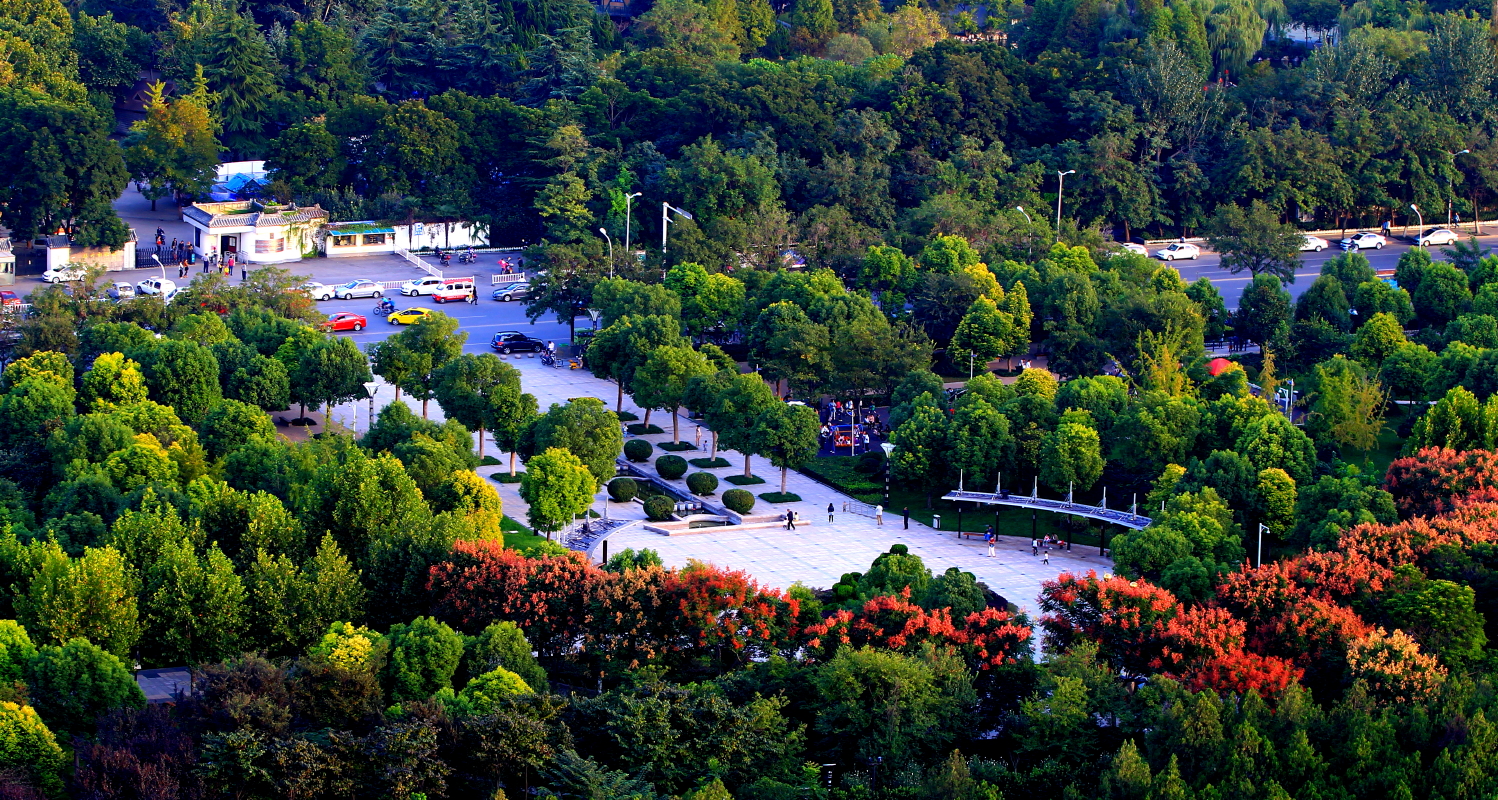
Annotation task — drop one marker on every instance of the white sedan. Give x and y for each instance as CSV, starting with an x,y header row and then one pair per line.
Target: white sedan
x,y
1363,241
151,286
318,291
1313,243
1436,236
1177,251
67,272
1130,247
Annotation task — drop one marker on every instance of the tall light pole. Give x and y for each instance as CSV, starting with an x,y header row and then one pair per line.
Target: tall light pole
x,y
627,200
1262,530
1448,183
1060,186
370,389
1420,221
889,452
666,209
1029,230
610,240
157,259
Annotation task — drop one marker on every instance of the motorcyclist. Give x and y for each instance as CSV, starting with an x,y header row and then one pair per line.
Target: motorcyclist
x,y
387,305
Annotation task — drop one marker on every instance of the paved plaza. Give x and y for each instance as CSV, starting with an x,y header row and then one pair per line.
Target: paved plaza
x,y
817,554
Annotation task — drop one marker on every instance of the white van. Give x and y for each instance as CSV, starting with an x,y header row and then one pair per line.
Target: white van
x,y
421,286
458,289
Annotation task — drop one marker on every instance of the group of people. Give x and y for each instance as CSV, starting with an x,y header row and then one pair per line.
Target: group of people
x,y
185,255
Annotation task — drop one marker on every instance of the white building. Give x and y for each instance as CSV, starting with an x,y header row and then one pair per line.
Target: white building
x,y
255,231
365,237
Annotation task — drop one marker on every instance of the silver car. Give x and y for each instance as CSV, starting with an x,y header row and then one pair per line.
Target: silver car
x,y
360,288
515,291
120,290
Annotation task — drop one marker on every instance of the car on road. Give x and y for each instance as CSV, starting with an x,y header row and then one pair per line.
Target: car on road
x,y
518,290
1177,251
508,342
156,286
345,321
359,288
1131,247
318,291
1436,237
9,298
66,272
409,316
420,286
120,290
455,290
1363,241
1313,243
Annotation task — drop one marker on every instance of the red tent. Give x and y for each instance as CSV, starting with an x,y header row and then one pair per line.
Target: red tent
x,y
1217,366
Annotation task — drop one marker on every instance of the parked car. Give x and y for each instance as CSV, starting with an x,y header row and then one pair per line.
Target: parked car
x,y
9,298
1436,237
120,290
421,286
156,286
360,288
518,290
1363,241
318,291
1132,247
345,321
1177,251
63,273
409,316
1313,243
516,342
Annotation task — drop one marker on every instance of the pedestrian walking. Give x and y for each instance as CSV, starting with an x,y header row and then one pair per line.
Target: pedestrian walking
x,y
830,509
879,516
1034,547
790,520
1046,557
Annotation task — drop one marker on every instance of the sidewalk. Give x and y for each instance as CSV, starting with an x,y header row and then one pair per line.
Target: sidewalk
x,y
817,555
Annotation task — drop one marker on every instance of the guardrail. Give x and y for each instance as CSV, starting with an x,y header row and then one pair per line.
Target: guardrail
x,y
10,309
514,277
419,262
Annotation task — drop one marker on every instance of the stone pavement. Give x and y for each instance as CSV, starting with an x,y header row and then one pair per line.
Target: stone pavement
x,y
816,555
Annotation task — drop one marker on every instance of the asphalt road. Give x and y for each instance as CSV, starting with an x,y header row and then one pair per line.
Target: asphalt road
x,y
1231,286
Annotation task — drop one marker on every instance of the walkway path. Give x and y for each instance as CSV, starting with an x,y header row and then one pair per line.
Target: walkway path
x,y
817,554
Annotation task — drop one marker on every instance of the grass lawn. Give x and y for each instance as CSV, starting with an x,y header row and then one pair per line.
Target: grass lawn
x,y
777,497
740,480
709,463
838,472
676,447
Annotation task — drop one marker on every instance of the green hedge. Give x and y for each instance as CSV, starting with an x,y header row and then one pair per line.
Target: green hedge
x,y
622,490
671,467
658,508
702,483
738,500
638,450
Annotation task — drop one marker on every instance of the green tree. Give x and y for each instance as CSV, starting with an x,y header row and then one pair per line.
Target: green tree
x,y
231,424
1072,456
1277,496
330,372
503,644
194,607
483,393
661,382
16,652
185,376
1348,406
710,302
1272,441
175,149
876,703
616,298
1325,300
307,157
73,685
240,72
423,656
413,150
582,427
92,598
1442,296
435,340
1380,337
1254,239
1263,310
62,162
620,349
921,455
558,487
29,748
1377,297
984,334
980,442
735,411
789,436
788,346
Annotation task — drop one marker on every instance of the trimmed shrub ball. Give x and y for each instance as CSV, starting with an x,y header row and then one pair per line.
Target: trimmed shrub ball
x,y
738,500
623,490
702,483
671,467
638,450
658,507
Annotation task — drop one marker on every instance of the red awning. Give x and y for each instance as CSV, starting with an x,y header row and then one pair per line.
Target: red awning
x,y
1217,366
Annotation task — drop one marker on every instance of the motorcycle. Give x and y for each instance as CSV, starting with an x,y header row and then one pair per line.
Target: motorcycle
x,y
383,310
547,359
467,258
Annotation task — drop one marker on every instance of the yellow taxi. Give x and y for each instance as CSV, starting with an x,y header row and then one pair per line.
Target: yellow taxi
x,y
409,316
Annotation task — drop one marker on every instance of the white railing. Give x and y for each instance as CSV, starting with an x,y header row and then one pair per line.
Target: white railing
x,y
514,277
14,308
419,262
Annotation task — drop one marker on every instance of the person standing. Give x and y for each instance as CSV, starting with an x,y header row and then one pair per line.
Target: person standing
x,y
1046,557
992,540
830,509
879,516
1034,547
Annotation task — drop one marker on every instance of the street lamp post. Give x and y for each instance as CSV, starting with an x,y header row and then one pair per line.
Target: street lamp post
x,y
1262,530
610,240
1420,225
1029,230
157,259
370,389
1060,186
627,200
889,452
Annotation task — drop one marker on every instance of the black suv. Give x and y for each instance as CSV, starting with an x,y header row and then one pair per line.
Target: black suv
x,y
516,342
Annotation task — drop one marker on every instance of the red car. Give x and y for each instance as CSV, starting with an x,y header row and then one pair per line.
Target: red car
x,y
345,321
9,298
